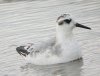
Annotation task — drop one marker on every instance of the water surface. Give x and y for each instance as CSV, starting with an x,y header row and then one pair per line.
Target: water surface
x,y
30,21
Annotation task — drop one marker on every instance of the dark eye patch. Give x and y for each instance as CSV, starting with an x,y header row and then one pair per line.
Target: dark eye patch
x,y
68,20
65,21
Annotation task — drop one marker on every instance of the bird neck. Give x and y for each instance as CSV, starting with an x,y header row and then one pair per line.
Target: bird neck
x,y
63,35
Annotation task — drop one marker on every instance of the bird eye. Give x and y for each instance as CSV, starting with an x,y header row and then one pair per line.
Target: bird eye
x,y
68,20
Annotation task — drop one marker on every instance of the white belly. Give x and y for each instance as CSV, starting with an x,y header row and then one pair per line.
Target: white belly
x,y
71,52
68,53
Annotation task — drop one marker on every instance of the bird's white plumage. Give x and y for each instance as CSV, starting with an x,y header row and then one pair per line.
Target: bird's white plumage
x,y
62,48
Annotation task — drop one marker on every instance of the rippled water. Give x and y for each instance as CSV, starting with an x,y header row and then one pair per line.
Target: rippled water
x,y
65,69
10,1
33,21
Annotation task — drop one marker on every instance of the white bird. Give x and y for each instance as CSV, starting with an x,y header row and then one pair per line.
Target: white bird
x,y
63,48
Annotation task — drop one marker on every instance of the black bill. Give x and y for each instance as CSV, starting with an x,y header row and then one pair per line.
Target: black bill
x,y
82,26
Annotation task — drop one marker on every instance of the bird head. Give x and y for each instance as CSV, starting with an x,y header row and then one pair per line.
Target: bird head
x,y
65,21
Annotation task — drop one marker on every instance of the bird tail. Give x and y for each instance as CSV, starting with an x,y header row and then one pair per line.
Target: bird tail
x,y
22,51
